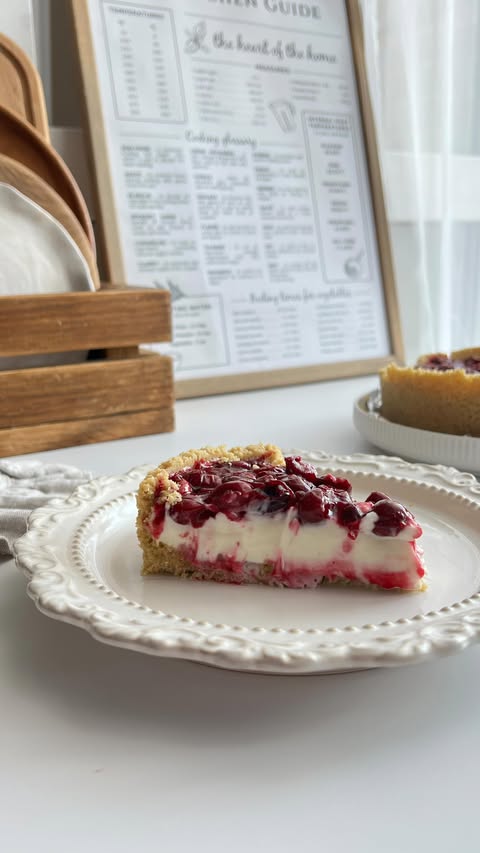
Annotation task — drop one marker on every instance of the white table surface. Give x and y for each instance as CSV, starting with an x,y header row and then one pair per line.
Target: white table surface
x,y
103,749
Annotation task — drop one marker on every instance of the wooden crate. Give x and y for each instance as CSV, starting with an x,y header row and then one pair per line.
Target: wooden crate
x,y
119,391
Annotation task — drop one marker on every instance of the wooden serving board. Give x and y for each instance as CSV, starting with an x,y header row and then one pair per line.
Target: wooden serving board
x,y
47,395
53,407
21,88
55,322
20,141
31,185
119,392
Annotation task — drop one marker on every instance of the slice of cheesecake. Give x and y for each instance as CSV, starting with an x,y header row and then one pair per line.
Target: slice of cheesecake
x,y
249,515
441,393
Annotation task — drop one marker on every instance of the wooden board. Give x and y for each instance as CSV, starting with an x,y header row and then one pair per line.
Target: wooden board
x,y
93,389
22,142
100,163
52,323
33,439
31,185
278,378
21,88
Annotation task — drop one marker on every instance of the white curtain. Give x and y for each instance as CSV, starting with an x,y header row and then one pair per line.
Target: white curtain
x,y
423,64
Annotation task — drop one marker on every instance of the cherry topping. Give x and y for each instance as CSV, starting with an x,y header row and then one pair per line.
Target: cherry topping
x,y
297,484
340,495
244,476
334,482
438,362
392,518
184,486
158,519
296,465
314,506
374,497
191,510
231,495
348,513
266,472
233,488
279,495
199,478
472,365
441,362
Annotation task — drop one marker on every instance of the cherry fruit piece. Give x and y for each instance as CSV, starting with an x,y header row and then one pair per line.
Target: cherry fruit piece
x,y
392,518
184,486
296,465
298,484
269,472
231,495
472,365
339,495
191,510
199,478
334,482
375,497
439,362
348,513
314,507
245,476
279,495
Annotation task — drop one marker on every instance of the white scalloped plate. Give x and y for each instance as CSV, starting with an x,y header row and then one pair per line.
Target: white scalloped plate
x,y
83,563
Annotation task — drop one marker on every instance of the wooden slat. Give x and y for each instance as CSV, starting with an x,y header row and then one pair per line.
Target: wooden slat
x,y
56,322
46,395
277,378
33,439
108,220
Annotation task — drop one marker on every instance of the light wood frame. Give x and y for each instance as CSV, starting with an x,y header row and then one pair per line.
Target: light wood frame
x,y
110,234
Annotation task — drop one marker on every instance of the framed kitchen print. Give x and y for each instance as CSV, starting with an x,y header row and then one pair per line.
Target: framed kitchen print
x,y
236,166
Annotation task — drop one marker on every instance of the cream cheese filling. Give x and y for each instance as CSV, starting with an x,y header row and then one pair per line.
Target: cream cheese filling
x,y
282,540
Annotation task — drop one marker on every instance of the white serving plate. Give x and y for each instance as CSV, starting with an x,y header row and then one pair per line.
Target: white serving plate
x,y
37,253
461,451
83,563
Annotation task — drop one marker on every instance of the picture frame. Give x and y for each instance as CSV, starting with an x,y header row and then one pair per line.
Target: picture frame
x,y
370,198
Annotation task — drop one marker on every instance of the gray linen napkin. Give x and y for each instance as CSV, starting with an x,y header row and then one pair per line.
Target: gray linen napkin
x,y
24,486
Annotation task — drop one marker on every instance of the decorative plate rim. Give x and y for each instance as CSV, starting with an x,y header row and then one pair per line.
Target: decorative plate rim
x,y
62,589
